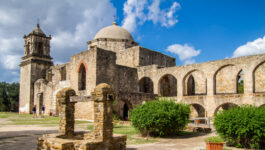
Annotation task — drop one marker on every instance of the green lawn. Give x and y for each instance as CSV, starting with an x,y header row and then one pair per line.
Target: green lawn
x,y
27,119
131,133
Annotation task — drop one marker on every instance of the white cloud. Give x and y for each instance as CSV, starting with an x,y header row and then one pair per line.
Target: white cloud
x,y
10,62
189,61
137,12
71,25
133,10
184,52
251,48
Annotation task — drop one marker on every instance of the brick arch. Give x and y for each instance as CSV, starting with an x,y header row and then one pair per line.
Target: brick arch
x,y
260,79
225,88
200,109
225,106
200,87
79,65
167,85
146,85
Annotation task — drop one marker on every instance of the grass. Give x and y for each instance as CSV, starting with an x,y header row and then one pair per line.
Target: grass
x,y
48,121
131,133
26,119
215,139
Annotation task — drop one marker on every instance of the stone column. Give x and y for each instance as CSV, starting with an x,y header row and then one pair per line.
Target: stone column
x,y
39,103
66,112
103,98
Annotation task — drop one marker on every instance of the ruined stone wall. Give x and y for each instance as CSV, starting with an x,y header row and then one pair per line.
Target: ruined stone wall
x,y
126,79
149,57
128,57
259,77
218,92
226,79
45,88
131,99
200,82
106,67
88,58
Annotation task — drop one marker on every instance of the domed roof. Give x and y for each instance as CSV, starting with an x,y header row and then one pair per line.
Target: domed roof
x,y
114,32
37,31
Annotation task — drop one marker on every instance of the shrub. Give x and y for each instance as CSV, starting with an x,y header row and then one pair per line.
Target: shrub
x,y
160,117
242,127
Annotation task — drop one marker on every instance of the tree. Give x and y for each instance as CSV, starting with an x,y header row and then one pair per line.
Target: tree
x,y
9,96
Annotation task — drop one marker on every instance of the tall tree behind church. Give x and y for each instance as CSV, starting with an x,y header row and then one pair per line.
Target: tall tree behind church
x,y
9,96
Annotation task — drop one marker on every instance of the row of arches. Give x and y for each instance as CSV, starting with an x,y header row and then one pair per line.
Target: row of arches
x,y
227,79
168,85
198,110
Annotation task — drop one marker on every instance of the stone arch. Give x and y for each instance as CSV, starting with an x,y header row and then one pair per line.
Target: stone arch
x,y
167,85
225,79
259,78
195,83
146,85
125,112
240,82
225,106
197,110
82,77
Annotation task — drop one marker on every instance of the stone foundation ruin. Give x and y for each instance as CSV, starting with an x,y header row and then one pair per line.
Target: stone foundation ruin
x,y
100,138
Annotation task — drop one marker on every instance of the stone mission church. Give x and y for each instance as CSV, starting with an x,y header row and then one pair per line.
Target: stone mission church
x,y
136,74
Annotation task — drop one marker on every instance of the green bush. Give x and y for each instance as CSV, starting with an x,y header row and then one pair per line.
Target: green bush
x,y
242,127
159,118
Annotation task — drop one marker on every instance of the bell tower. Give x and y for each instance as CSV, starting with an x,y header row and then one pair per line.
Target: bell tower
x,y
35,62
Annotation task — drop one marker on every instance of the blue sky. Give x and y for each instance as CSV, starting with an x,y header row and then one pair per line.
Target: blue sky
x,y
193,31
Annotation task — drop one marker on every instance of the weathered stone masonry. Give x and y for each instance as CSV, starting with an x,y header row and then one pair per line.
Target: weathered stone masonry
x,y
135,74
102,135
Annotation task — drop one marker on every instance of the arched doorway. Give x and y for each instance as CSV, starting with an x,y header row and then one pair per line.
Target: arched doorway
x,y
258,78
125,112
240,82
225,106
82,77
146,85
197,110
168,85
191,86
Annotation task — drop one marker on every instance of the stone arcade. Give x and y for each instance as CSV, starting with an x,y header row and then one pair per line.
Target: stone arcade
x,y
135,74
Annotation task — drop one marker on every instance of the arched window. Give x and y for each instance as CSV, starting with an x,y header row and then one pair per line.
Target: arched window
x,y
167,85
240,82
82,77
146,85
39,46
191,86
63,73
